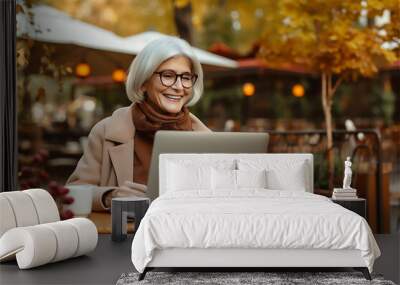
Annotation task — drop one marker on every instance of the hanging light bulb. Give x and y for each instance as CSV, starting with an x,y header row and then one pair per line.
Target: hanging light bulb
x,y
248,89
298,90
119,75
82,70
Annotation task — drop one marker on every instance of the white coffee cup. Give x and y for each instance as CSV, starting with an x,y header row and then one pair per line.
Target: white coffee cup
x,y
83,196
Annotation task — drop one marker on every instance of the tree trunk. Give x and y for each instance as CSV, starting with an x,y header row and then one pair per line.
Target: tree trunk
x,y
183,20
327,94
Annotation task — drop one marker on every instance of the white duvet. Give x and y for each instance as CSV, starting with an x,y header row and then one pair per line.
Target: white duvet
x,y
250,219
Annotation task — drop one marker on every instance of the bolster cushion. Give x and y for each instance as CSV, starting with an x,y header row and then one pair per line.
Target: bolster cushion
x,y
40,244
26,208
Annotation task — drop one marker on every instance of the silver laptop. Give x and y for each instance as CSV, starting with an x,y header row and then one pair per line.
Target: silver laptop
x,y
201,142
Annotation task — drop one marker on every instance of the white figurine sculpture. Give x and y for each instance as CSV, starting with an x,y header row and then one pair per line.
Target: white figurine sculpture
x,y
347,174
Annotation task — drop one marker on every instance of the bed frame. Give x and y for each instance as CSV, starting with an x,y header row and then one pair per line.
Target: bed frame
x,y
241,259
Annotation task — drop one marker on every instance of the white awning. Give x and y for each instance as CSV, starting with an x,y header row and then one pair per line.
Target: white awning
x,y
139,41
53,26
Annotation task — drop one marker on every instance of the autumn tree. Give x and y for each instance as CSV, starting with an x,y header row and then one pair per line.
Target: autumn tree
x,y
338,39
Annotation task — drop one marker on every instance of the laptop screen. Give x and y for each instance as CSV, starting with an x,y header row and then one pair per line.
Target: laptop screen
x,y
201,142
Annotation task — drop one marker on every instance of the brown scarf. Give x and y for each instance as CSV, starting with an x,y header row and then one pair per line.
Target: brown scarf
x,y
147,119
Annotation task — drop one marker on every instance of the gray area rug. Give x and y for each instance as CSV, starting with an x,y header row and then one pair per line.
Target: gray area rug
x,y
232,278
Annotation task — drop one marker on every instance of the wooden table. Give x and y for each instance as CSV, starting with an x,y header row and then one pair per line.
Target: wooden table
x,y
102,220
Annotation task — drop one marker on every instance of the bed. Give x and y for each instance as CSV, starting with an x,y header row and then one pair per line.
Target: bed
x,y
247,210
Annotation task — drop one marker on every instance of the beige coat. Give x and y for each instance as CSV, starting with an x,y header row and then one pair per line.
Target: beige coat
x,y
107,161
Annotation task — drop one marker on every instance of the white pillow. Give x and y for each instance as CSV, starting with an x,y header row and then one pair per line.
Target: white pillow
x,y
202,161
227,179
293,180
188,177
223,179
280,174
251,178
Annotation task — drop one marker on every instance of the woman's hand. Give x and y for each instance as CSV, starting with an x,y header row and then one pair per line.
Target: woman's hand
x,y
136,186
128,189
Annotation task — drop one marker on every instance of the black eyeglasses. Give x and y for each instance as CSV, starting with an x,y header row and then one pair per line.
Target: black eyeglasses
x,y
169,77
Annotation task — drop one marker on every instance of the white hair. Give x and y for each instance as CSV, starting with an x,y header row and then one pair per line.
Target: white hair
x,y
152,55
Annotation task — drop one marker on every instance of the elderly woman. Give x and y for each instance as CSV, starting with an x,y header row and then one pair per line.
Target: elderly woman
x,y
164,78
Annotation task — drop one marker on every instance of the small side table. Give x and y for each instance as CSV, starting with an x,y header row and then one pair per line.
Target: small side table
x,y
120,207
357,205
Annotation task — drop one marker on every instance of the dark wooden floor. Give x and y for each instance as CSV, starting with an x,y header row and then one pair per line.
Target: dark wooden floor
x,y
110,260
103,266
389,262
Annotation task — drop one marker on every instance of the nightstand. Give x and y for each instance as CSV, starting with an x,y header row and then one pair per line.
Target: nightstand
x,y
120,208
357,205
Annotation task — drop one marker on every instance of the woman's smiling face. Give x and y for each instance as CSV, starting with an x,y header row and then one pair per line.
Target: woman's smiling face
x,y
169,99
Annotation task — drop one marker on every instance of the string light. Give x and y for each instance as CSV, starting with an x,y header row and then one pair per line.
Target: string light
x,y
298,90
119,75
248,89
82,70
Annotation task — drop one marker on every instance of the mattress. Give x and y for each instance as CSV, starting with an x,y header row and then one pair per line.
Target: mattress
x,y
252,219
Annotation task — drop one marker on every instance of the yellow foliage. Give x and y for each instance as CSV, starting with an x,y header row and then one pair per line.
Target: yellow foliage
x,y
124,17
181,3
300,31
328,37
